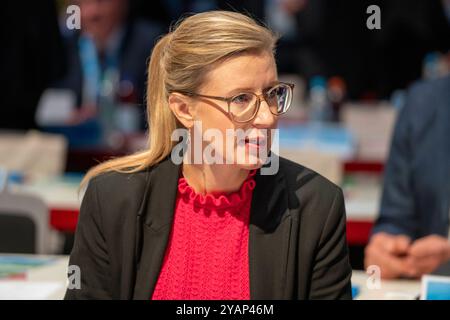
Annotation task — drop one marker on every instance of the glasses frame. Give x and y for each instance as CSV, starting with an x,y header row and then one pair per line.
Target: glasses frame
x,y
259,98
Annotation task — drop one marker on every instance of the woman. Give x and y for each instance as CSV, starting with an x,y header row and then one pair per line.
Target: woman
x,y
153,228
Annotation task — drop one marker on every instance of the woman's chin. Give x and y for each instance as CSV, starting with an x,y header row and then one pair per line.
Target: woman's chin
x,y
251,163
250,166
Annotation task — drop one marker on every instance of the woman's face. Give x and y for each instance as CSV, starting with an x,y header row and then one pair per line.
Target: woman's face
x,y
249,72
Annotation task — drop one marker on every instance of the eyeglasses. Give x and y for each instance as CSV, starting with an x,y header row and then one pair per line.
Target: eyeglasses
x,y
244,106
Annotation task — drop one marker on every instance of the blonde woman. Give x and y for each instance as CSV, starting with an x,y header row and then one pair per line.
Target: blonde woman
x,y
151,227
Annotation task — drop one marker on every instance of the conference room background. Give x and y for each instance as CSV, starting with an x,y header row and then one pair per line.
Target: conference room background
x,y
370,109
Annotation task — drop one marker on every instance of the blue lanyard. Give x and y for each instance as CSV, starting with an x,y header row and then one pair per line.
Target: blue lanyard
x,y
90,70
93,77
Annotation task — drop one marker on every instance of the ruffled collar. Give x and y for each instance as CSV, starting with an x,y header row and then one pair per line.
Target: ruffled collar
x,y
218,200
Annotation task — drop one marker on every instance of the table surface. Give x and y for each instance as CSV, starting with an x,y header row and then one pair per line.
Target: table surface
x,y
388,290
56,273
52,275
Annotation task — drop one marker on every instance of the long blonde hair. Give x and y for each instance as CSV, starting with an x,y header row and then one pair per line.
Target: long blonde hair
x,y
179,62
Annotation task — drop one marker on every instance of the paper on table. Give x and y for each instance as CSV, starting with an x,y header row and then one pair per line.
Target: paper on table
x,y
23,290
12,265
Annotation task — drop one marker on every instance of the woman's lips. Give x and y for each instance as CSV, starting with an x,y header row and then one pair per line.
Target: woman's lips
x,y
256,142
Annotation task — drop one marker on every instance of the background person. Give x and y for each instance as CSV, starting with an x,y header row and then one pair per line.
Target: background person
x,y
410,237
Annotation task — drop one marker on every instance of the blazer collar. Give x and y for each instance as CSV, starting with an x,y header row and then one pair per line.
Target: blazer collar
x,y
269,236
153,224
162,193
269,203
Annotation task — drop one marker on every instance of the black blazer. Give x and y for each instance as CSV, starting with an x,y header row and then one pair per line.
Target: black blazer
x,y
297,240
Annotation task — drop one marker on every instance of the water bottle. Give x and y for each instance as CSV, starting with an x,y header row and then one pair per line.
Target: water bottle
x,y
320,110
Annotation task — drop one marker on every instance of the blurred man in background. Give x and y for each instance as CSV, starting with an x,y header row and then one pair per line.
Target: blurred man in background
x,y
107,62
410,237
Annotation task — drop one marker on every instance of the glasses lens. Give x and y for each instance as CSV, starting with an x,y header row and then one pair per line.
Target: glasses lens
x,y
243,106
280,97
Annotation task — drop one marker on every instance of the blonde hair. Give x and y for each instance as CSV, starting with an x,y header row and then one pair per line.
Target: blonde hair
x,y
179,62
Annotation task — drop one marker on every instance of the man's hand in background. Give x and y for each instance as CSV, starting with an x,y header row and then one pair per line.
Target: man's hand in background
x,y
389,252
426,254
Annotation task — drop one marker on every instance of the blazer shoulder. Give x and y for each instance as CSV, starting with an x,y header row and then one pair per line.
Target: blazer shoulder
x,y
300,176
314,200
117,190
114,181
308,190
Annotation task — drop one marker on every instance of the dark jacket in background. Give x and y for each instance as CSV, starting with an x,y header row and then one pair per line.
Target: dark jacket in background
x,y
297,240
135,50
416,195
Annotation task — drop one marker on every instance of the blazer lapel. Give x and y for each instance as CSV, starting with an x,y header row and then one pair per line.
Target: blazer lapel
x,y
155,223
270,230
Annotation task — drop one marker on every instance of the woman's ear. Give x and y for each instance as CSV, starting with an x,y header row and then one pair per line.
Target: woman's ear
x,y
182,109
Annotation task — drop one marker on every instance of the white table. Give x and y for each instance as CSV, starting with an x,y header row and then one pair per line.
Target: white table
x,y
389,289
55,274
47,282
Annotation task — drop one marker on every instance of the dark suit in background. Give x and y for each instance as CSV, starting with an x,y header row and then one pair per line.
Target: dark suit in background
x,y
416,195
135,49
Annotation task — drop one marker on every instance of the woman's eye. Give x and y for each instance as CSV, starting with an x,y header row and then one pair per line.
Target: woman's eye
x,y
242,98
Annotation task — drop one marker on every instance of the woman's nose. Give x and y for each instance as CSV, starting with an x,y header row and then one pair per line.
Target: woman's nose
x,y
264,118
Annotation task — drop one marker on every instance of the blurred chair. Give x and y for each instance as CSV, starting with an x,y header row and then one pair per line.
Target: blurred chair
x,y
33,153
24,225
372,125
